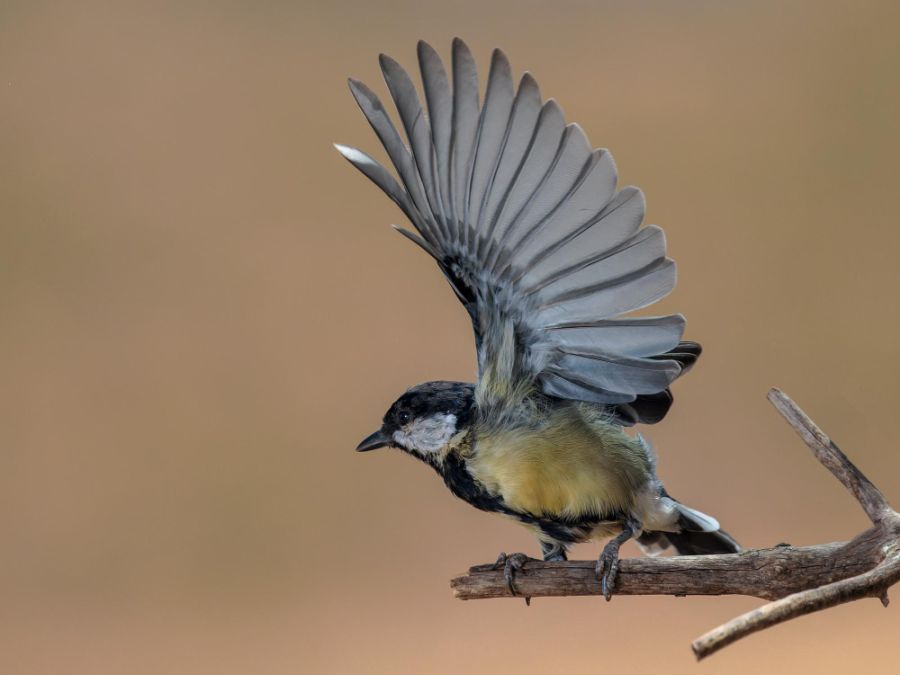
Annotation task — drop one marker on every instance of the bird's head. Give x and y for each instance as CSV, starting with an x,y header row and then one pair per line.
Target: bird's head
x,y
426,421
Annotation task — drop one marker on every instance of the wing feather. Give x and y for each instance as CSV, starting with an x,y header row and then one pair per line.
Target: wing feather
x,y
577,211
646,247
494,122
381,123
381,177
572,162
525,222
465,128
540,157
643,336
526,110
440,106
609,299
403,91
613,225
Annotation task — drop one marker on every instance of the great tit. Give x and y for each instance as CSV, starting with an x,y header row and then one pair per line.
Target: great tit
x,y
524,220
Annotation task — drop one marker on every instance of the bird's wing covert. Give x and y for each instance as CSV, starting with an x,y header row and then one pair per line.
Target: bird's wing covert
x,y
524,219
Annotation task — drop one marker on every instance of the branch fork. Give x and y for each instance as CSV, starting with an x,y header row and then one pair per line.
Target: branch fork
x,y
797,580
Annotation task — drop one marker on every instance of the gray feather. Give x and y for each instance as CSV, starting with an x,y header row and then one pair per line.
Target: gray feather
x,y
572,162
440,107
378,118
495,116
416,125
597,270
381,177
418,241
644,336
524,219
542,149
622,374
616,223
559,384
526,111
614,298
465,127
586,201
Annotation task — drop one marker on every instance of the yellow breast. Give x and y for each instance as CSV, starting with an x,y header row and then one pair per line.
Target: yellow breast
x,y
567,467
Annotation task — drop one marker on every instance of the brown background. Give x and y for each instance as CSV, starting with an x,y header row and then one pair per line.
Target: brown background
x,y
204,309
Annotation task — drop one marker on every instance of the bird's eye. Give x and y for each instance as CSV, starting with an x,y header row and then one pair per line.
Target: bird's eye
x,y
403,417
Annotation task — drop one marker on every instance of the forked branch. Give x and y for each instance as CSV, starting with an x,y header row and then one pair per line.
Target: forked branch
x,y
799,580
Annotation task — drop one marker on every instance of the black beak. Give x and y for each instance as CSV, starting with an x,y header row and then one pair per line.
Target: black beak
x,y
377,440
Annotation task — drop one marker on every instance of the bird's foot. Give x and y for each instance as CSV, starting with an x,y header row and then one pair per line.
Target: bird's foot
x,y
553,551
511,565
608,569
608,563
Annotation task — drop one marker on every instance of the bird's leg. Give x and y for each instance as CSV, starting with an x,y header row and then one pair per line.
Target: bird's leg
x,y
511,565
553,551
608,563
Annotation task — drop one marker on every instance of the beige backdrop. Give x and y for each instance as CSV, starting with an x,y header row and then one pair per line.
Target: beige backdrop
x,y
204,309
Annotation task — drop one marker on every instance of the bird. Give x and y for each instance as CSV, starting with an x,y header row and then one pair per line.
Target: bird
x,y
549,259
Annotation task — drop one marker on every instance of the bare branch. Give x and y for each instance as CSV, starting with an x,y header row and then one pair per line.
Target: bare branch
x,y
830,455
799,580
873,583
763,573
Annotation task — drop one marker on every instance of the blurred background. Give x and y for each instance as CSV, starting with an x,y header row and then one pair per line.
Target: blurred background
x,y
204,309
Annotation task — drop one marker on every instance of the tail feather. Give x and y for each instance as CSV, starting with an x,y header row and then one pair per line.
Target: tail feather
x,y
699,534
691,520
702,543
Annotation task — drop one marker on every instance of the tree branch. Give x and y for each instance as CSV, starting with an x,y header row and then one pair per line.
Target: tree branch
x,y
873,583
831,456
800,580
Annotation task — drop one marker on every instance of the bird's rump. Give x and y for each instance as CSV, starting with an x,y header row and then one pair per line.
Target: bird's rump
x,y
524,219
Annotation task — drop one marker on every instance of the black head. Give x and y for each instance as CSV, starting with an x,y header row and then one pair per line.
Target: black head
x,y
425,419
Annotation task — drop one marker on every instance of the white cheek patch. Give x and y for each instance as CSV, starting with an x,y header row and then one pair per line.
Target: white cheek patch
x,y
427,434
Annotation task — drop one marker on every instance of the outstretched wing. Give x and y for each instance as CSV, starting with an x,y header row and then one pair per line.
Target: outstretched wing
x,y
524,219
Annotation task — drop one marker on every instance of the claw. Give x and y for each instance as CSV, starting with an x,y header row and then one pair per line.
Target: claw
x,y
511,565
608,562
607,570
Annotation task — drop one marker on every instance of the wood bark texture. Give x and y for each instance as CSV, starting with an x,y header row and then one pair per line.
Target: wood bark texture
x,y
798,580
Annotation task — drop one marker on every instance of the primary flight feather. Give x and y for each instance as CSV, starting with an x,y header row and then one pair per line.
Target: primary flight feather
x,y
523,218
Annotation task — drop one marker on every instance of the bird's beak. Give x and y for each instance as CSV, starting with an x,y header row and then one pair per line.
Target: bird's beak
x,y
377,440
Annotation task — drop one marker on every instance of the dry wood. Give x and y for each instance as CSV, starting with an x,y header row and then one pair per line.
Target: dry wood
x,y
831,456
799,580
763,573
